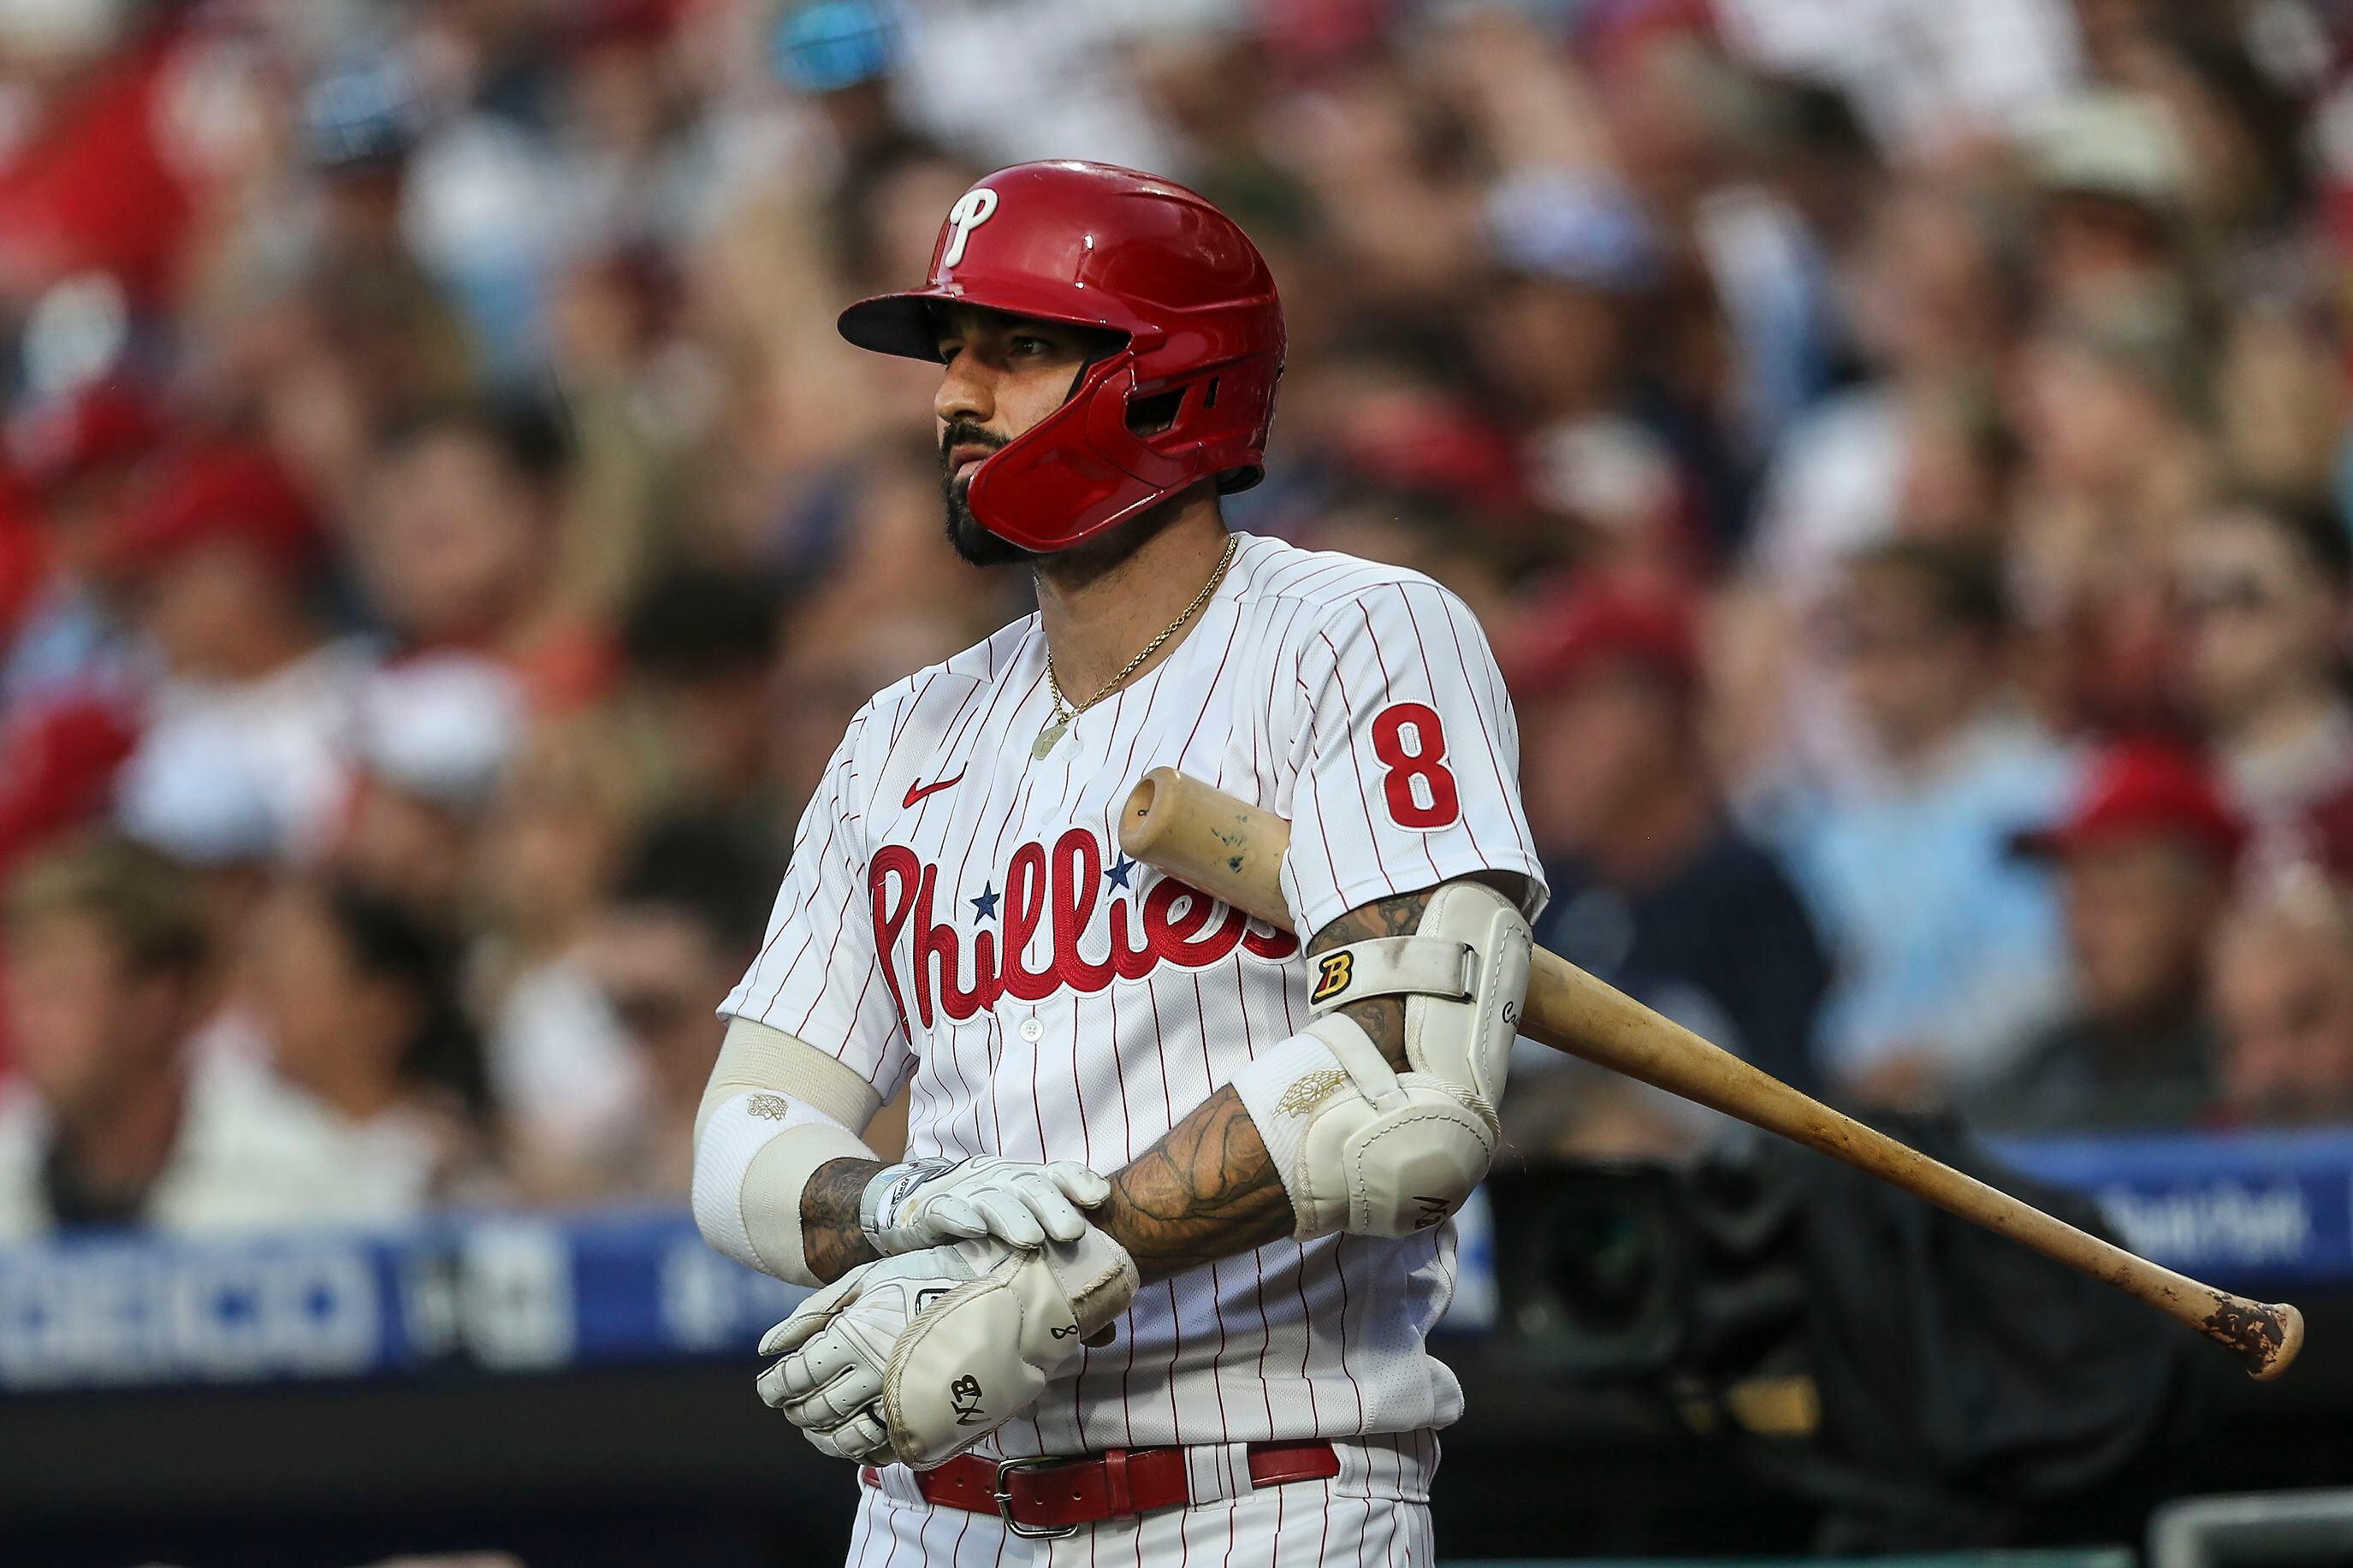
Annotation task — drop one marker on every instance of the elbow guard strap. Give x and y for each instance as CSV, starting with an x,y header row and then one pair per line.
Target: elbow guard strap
x,y
752,1161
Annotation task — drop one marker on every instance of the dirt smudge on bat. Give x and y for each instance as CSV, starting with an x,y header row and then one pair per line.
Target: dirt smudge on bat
x,y
2246,1327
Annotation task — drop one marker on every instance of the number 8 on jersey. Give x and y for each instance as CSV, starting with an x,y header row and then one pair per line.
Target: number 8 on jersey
x,y
1411,744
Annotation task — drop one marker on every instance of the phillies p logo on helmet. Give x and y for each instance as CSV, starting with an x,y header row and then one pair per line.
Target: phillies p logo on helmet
x,y
972,210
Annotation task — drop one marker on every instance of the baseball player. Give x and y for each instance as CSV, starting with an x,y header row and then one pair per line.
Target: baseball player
x,y
1155,1280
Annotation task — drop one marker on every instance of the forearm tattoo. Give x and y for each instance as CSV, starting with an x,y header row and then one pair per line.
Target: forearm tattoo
x,y
830,1239
1208,1190
1204,1192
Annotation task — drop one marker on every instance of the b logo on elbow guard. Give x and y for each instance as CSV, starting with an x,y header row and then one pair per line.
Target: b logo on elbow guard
x,y
1334,970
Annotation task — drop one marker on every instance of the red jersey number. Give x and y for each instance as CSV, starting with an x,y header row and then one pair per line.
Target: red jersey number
x,y
1411,745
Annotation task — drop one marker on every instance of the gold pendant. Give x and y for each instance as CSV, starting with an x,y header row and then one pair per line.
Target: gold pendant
x,y
1049,738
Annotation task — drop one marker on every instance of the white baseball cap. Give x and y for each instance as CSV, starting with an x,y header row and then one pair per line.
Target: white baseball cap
x,y
441,726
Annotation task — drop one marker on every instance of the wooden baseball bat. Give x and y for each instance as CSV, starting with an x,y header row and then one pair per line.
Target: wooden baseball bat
x,y
1233,850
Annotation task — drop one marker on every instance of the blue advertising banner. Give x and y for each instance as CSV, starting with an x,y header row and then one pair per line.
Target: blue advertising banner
x,y
2272,1208
507,1292
522,1292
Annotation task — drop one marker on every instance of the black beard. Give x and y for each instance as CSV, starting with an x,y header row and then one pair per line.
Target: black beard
x,y
969,540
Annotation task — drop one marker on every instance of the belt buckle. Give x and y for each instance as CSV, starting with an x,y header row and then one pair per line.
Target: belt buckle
x,y
1004,1498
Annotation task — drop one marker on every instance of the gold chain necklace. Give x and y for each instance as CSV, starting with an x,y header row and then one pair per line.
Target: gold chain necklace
x,y
1065,711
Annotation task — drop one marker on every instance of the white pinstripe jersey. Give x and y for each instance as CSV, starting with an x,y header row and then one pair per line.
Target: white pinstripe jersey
x,y
959,910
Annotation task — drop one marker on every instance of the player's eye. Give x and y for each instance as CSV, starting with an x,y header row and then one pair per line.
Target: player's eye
x,y
949,349
1032,348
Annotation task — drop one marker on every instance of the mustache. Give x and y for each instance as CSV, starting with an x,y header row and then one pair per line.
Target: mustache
x,y
964,432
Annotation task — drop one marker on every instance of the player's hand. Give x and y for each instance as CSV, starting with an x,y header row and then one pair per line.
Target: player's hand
x,y
924,1203
984,1353
834,1348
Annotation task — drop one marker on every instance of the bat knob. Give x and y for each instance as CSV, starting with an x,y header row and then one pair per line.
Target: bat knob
x,y
2266,1335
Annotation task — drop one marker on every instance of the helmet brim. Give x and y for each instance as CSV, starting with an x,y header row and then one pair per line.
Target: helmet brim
x,y
907,323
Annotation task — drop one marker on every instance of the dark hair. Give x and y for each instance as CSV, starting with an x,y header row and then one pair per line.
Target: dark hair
x,y
853,220
387,943
1963,580
2309,524
527,434
718,874
696,622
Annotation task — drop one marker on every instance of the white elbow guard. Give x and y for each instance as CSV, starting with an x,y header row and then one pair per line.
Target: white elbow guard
x,y
1360,1147
752,1160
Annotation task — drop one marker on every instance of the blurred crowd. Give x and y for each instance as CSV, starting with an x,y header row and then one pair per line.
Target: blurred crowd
x,y
1898,447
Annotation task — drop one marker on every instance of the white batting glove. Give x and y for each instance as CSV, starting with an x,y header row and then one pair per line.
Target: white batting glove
x,y
924,1203
834,1348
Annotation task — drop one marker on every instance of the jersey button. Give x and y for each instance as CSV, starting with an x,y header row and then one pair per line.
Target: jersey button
x,y
1031,1030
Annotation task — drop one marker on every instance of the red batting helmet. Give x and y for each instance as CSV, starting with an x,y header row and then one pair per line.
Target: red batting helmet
x,y
1091,245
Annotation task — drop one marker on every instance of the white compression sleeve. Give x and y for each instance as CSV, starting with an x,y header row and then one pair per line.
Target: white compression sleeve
x,y
766,1126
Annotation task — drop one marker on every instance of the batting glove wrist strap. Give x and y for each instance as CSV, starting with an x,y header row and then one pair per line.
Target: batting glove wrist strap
x,y
878,1205
922,1203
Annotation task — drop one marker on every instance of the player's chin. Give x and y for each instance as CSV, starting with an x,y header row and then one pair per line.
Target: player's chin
x,y
970,539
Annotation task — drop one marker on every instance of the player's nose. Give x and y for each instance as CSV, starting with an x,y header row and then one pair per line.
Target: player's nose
x,y
964,393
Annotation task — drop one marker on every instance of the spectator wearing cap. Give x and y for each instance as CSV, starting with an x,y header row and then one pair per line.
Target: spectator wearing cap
x,y
2116,178
1424,534
397,334
244,756
91,188
69,670
433,735
1575,257
686,914
1655,889
839,54
2263,589
1944,944
1573,329
2283,998
2145,858
78,454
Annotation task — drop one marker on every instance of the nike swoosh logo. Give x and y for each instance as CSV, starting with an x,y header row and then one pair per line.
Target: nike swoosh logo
x,y
916,792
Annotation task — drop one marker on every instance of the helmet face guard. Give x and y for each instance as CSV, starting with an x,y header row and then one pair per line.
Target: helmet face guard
x,y
1091,246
